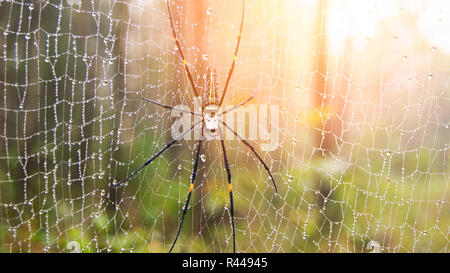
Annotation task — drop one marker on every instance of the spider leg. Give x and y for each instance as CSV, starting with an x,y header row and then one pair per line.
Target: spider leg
x,y
177,42
254,151
157,154
238,105
188,199
234,57
157,103
227,167
169,107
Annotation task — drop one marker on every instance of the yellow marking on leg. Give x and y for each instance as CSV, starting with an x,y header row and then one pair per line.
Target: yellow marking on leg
x,y
234,58
229,186
184,61
191,187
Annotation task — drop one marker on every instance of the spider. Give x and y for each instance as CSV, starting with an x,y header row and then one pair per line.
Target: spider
x,y
210,120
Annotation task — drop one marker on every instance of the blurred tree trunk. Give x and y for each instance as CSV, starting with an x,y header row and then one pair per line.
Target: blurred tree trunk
x,y
190,17
197,13
322,135
328,102
320,87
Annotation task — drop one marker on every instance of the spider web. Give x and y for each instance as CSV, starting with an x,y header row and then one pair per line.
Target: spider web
x,y
363,98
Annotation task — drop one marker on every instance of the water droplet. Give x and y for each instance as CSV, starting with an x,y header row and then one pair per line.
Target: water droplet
x,y
205,57
209,11
430,75
203,157
31,7
404,58
28,36
290,179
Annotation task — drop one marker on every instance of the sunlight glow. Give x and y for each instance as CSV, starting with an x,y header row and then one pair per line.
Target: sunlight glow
x,y
434,23
359,20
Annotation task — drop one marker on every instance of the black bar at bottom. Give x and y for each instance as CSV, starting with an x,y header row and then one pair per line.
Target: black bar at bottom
x,y
271,262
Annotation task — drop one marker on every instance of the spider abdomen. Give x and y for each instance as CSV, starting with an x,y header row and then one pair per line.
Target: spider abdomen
x,y
210,96
211,121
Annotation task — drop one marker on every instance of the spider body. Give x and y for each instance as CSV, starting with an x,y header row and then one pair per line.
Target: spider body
x,y
211,107
210,124
210,95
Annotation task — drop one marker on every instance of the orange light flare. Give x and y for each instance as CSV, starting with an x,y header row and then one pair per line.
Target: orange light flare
x,y
366,42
